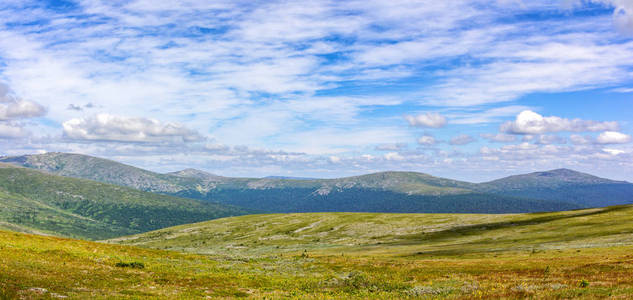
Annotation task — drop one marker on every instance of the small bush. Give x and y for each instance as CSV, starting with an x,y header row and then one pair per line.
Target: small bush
x,y
583,283
133,265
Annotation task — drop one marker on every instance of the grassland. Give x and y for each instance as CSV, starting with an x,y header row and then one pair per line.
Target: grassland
x,y
396,234
38,267
577,254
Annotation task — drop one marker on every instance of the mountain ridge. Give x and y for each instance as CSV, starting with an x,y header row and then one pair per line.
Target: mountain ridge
x,y
391,191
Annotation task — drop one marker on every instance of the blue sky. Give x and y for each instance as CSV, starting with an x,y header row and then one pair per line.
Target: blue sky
x,y
467,89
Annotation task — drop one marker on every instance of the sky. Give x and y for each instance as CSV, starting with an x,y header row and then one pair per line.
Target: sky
x,y
467,89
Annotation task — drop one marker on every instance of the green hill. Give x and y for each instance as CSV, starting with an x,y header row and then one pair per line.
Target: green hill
x,y
32,201
379,192
396,234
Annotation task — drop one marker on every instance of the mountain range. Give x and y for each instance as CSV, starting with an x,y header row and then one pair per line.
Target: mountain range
x,y
554,190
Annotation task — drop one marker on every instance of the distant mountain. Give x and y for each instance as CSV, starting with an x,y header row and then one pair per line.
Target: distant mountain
x,y
289,177
33,201
99,169
563,185
378,192
193,173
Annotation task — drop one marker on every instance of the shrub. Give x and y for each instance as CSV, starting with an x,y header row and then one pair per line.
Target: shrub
x,y
133,265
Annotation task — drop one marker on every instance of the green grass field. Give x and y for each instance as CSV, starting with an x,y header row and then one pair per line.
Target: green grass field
x,y
395,234
578,254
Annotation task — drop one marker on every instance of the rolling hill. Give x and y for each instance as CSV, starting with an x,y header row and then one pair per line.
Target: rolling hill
x,y
379,192
563,185
32,201
395,234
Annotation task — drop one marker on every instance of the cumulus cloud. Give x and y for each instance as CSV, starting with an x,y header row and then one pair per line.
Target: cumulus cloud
x,y
461,139
432,120
613,137
427,140
12,108
529,122
106,127
393,156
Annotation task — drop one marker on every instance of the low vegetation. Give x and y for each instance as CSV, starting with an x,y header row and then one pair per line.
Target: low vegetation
x,y
574,254
396,234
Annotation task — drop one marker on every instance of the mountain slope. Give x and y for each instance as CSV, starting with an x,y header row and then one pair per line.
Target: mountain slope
x,y
563,185
379,192
37,202
99,169
395,234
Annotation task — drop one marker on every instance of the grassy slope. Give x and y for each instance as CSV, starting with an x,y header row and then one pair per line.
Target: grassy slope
x,y
32,201
506,267
396,234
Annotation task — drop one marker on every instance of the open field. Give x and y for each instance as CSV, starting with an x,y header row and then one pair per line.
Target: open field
x,y
395,234
459,257
36,267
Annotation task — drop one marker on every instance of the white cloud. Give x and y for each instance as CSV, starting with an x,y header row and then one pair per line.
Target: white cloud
x,y
613,151
432,120
427,140
106,127
613,137
21,109
12,108
498,137
461,139
12,131
622,15
393,156
529,122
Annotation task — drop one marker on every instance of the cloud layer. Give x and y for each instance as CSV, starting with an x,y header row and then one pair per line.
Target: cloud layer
x,y
106,127
320,88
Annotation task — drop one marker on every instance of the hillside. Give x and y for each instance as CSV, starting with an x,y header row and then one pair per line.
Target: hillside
x,y
563,185
580,254
396,234
379,192
32,201
99,169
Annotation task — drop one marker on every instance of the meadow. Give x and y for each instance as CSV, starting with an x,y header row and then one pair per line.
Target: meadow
x,y
421,256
